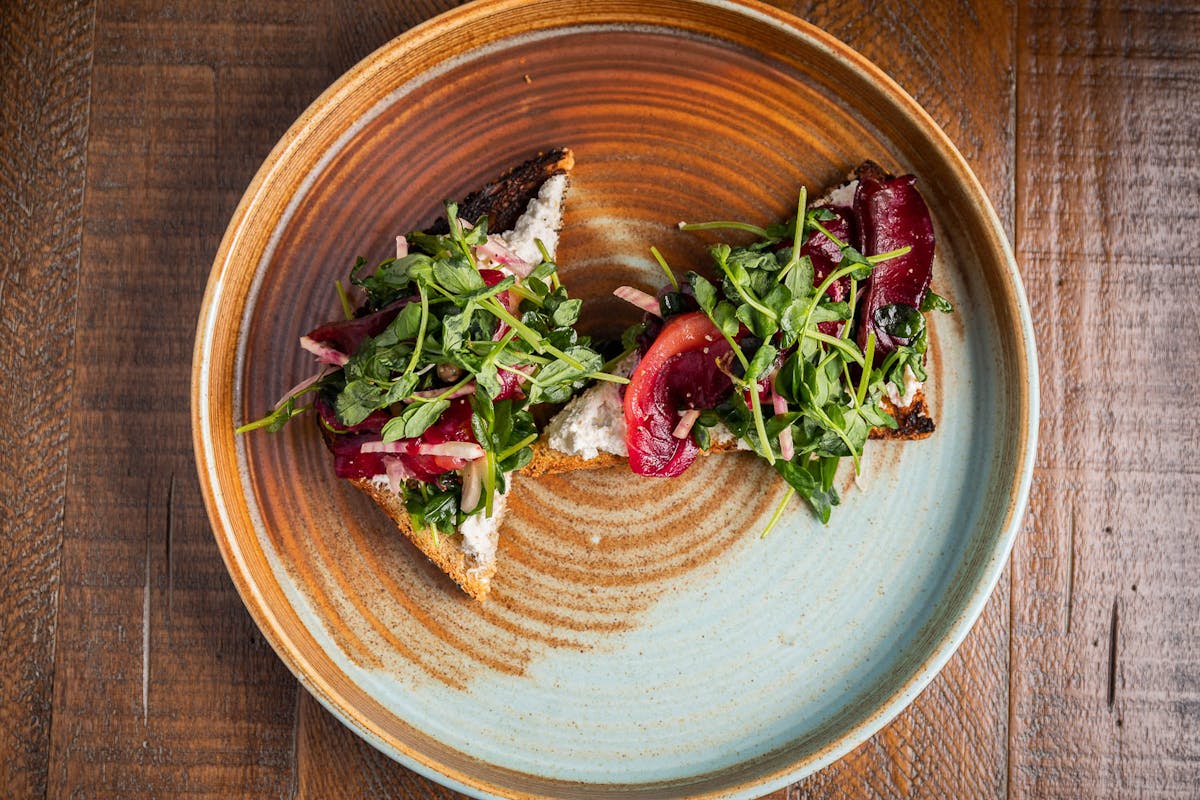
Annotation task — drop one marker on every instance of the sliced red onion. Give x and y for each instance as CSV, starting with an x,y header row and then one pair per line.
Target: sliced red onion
x,y
401,247
787,448
304,384
686,420
324,353
428,394
465,450
472,488
380,446
496,249
646,302
397,473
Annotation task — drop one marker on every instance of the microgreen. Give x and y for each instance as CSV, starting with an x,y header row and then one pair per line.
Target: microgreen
x,y
832,389
455,331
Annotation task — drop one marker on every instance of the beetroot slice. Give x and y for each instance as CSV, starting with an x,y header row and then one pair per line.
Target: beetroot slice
x,y
826,256
677,372
892,215
347,335
454,425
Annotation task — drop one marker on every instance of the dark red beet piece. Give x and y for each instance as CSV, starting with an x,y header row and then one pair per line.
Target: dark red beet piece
x,y
347,335
675,373
454,425
892,215
826,256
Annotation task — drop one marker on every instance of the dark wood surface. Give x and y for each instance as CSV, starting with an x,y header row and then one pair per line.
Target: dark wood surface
x,y
128,665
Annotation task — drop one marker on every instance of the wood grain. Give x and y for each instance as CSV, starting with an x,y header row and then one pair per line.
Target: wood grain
x,y
163,685
45,78
1106,611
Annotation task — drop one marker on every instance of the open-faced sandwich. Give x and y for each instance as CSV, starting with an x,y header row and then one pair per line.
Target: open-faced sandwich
x,y
424,389
806,343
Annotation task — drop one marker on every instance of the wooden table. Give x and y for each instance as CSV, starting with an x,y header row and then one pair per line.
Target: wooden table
x,y
128,665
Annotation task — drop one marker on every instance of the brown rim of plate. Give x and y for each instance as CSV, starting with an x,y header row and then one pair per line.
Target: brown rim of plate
x,y
435,43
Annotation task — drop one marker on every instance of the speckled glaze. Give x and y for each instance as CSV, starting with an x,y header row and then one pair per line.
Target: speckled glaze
x,y
641,638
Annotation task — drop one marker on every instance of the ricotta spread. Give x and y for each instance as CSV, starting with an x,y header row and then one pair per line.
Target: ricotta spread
x,y
542,219
593,422
911,387
481,533
841,196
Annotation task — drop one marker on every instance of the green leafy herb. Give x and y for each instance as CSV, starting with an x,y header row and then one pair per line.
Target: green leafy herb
x,y
831,388
456,331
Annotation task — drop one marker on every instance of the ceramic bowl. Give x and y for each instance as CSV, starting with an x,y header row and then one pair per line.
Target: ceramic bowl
x,y
641,637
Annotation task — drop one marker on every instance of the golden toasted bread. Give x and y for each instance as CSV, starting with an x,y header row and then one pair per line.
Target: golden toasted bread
x,y
472,573
503,201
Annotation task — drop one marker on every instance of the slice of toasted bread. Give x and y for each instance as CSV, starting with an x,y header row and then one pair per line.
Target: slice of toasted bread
x,y
471,560
467,569
911,413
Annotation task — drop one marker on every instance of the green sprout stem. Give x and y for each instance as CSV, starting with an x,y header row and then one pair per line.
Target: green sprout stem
x,y
344,299
787,496
662,262
528,440
761,233
416,354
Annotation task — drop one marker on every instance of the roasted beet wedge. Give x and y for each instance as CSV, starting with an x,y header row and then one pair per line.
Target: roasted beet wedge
x,y
892,215
454,425
678,372
826,256
346,335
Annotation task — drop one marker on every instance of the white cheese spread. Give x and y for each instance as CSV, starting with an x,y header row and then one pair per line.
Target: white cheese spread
x,y
911,387
481,533
841,196
542,219
593,422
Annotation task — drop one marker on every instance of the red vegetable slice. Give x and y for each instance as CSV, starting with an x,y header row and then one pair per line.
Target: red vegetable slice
x,y
454,425
826,256
345,336
678,372
893,215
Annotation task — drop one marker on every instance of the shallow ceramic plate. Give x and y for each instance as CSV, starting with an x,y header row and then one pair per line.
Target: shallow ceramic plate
x,y
640,636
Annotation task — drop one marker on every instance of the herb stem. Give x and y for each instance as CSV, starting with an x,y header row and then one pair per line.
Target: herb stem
x,y
749,297
889,255
525,294
344,299
761,233
820,415
787,496
759,425
604,376
866,371
836,241
416,354
489,482
662,262
830,279
528,440
798,235
444,395
841,344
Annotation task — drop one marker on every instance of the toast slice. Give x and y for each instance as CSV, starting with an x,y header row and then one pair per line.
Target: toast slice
x,y
525,204
571,442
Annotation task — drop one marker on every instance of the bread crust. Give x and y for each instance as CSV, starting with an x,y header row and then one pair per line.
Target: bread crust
x,y
446,552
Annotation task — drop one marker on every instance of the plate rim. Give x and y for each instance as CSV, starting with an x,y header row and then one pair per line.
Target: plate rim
x,y
462,18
